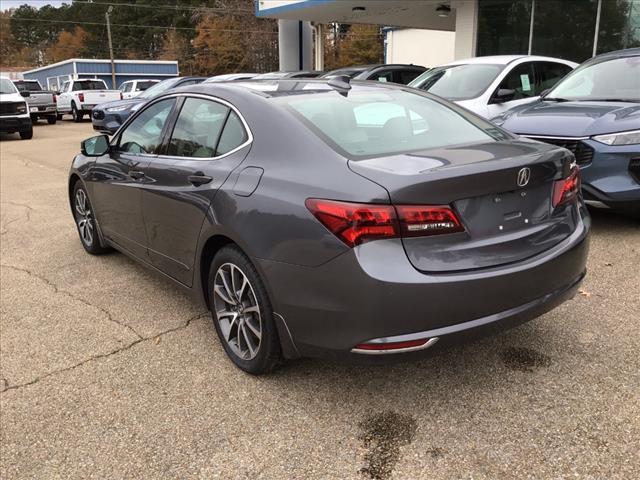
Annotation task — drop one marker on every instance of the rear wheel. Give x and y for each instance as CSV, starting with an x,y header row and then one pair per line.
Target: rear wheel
x,y
51,119
242,312
76,114
85,221
26,134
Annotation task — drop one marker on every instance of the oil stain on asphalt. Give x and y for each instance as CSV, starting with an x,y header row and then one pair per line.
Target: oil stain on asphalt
x,y
383,434
524,359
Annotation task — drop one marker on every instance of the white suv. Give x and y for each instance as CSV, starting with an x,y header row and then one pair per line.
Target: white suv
x,y
133,88
14,113
491,85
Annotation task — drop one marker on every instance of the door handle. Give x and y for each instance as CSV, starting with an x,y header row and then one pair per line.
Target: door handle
x,y
136,174
199,178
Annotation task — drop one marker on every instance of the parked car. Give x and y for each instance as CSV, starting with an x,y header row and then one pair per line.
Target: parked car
x,y
348,220
108,117
228,77
133,88
41,103
78,97
491,85
282,75
595,113
14,114
396,73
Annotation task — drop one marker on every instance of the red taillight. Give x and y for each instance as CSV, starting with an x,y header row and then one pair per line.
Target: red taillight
x,y
418,221
356,223
566,189
81,97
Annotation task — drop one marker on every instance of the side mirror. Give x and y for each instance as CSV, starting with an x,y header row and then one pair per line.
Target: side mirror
x,y
503,95
25,93
95,146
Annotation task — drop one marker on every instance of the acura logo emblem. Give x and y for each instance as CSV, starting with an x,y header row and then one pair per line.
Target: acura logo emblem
x,y
524,175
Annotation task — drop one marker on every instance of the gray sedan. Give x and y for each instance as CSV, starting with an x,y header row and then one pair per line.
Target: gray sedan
x,y
338,219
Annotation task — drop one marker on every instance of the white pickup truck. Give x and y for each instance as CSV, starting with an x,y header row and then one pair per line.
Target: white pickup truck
x,y
78,97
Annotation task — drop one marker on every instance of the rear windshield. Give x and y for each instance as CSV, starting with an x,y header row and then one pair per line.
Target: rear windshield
x,y
88,85
142,86
370,123
28,86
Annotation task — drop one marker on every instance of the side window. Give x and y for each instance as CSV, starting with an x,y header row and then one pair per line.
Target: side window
x,y
521,81
187,82
405,76
197,129
548,74
232,136
382,76
143,134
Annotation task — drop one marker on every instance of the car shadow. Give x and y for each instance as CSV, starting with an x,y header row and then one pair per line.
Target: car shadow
x,y
611,221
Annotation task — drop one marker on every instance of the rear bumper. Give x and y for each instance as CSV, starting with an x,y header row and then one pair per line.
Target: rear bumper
x,y
373,292
612,177
17,123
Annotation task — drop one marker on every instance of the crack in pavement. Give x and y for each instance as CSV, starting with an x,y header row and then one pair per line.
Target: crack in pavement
x,y
72,296
7,387
20,217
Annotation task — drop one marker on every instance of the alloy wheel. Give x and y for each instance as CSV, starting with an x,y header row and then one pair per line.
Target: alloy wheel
x,y
84,217
237,311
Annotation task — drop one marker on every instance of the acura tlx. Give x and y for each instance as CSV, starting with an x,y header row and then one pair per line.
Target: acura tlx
x,y
338,218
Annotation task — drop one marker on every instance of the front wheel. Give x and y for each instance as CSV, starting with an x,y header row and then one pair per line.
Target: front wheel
x,y
76,114
242,312
26,134
85,221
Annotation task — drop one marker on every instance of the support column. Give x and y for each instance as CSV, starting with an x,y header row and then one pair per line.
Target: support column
x,y
466,28
319,47
295,45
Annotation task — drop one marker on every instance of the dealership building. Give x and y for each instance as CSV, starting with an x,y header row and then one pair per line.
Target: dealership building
x,y
432,32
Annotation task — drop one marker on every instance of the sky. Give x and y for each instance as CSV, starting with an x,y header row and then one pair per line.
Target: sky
x,y
6,4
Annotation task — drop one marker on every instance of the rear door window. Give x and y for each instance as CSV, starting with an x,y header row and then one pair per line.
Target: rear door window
x,y
197,129
406,76
382,76
548,74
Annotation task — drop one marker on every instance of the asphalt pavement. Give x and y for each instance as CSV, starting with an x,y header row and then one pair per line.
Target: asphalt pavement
x,y
107,371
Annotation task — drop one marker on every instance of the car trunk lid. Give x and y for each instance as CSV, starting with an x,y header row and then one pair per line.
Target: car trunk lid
x,y
506,216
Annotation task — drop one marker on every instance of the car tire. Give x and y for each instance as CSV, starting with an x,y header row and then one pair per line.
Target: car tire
x,y
52,119
242,312
86,222
34,118
26,134
76,114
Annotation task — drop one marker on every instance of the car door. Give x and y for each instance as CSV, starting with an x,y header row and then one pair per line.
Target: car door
x,y
117,177
520,79
64,99
208,141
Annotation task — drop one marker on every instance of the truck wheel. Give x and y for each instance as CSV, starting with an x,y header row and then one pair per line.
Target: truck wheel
x,y
34,118
51,119
76,114
26,134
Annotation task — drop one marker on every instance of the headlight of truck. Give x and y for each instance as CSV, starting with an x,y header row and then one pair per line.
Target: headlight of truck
x,y
21,108
117,109
622,138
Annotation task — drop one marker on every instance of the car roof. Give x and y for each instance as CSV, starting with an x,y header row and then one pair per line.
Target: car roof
x,y
505,59
283,87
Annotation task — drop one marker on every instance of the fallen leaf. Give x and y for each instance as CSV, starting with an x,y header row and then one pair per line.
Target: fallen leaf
x,y
608,264
157,340
584,293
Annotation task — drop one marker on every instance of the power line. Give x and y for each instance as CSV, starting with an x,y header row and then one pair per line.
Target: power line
x,y
168,7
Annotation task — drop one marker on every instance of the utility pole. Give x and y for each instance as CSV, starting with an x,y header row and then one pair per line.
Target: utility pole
x,y
113,66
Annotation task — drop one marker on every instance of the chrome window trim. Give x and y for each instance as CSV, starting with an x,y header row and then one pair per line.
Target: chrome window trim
x,y
212,98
